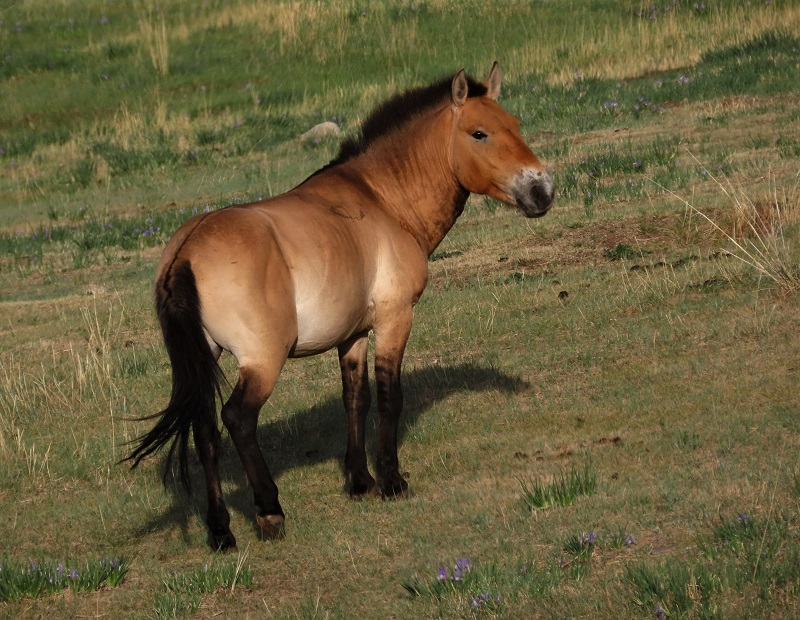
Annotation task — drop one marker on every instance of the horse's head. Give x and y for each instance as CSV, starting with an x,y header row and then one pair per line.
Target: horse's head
x,y
488,153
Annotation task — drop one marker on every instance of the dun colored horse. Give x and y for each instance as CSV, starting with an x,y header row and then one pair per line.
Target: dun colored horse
x,y
343,253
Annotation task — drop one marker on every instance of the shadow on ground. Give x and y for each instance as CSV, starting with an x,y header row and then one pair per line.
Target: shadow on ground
x,y
318,434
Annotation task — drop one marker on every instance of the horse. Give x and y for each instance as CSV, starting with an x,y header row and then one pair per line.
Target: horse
x,y
342,254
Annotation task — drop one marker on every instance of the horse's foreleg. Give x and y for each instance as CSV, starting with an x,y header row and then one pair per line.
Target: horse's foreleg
x,y
240,416
356,397
390,343
207,442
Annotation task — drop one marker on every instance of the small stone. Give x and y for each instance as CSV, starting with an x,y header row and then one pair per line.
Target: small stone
x,y
323,130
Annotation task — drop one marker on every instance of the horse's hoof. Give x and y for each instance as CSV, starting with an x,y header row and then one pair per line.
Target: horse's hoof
x,y
365,493
395,488
222,542
271,526
361,487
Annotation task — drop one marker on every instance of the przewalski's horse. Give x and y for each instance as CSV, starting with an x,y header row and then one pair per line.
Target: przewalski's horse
x,y
343,253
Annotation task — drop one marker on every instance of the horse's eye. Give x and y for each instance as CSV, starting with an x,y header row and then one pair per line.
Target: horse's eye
x,y
480,136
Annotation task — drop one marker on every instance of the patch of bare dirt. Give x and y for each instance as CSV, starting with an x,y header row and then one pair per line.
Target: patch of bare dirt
x,y
584,245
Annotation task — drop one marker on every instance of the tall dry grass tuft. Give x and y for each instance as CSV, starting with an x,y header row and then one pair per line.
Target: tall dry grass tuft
x,y
764,234
154,36
60,390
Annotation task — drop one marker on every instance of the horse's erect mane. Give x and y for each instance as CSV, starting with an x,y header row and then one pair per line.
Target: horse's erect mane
x,y
396,112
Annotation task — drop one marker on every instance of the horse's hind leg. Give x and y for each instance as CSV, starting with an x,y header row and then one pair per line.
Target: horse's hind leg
x,y
207,442
356,397
240,416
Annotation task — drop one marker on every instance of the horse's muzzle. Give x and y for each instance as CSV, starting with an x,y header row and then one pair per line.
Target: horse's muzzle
x,y
533,192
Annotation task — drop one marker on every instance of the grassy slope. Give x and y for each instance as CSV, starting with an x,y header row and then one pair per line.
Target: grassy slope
x,y
671,371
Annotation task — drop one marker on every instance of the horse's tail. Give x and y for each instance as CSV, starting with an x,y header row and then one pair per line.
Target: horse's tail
x,y
196,376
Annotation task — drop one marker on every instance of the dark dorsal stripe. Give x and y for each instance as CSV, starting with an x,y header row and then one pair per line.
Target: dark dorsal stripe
x,y
396,112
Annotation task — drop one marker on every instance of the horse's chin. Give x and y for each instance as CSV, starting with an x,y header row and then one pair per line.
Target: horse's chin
x,y
533,210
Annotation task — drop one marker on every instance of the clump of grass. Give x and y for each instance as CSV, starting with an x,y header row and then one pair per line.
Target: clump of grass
x,y
623,251
182,593
35,579
485,589
562,490
686,440
672,590
580,548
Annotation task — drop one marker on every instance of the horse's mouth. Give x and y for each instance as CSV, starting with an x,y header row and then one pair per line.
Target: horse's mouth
x,y
533,212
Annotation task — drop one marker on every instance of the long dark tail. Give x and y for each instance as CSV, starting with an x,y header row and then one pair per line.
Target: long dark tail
x,y
196,376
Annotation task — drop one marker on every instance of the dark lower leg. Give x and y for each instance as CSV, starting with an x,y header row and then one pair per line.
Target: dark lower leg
x,y
356,398
240,416
207,443
390,405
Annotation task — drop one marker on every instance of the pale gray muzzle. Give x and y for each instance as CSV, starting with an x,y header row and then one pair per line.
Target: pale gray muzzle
x,y
533,190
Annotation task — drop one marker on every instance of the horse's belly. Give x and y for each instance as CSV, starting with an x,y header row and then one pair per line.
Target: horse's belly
x,y
321,327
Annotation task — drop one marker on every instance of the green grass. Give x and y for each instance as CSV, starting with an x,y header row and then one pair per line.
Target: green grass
x,y
182,593
41,578
630,359
563,490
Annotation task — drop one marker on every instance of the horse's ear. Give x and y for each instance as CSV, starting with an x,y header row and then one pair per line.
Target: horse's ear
x,y
492,82
460,89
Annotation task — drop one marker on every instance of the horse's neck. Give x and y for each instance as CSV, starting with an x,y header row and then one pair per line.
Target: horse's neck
x,y
415,183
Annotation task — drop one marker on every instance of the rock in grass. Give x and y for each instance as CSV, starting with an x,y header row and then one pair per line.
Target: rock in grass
x,y
323,130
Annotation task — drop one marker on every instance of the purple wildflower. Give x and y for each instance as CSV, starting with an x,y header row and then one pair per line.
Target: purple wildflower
x,y
629,540
743,518
104,20
683,80
484,599
661,614
442,574
73,574
462,566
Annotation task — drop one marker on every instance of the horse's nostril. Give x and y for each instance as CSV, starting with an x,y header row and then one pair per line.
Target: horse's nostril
x,y
542,193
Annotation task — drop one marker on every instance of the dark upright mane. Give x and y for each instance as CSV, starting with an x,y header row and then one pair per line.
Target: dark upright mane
x,y
396,112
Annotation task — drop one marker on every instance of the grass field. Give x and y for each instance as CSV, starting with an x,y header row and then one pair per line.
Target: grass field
x,y
602,416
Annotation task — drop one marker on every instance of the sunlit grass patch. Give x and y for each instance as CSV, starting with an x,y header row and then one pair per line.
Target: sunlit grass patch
x,y
182,593
484,588
40,578
562,490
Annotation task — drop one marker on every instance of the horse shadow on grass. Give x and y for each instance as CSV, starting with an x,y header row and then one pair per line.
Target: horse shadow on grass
x,y
319,434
